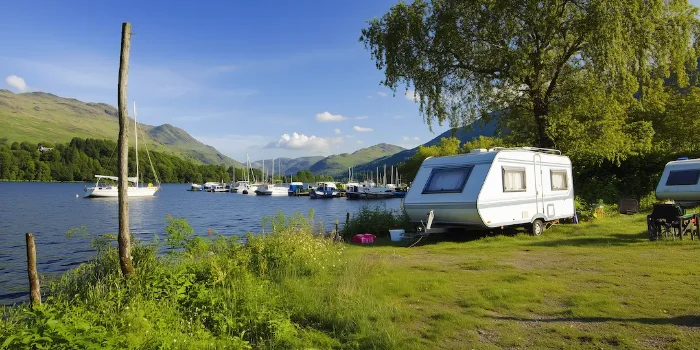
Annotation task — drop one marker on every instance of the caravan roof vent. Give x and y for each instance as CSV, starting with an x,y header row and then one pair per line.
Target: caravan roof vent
x,y
478,150
683,158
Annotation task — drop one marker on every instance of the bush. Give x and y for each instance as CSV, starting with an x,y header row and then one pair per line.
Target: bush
x,y
290,288
375,220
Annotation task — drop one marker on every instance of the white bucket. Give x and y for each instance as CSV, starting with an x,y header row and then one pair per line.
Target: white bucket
x,y
396,235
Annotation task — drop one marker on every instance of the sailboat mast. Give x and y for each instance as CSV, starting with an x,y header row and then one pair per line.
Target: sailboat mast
x,y
136,140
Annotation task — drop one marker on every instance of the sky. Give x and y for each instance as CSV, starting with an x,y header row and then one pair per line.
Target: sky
x,y
268,79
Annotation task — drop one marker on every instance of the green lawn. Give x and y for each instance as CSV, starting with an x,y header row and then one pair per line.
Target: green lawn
x,y
594,285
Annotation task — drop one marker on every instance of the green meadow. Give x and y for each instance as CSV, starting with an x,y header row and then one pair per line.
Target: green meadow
x,y
599,284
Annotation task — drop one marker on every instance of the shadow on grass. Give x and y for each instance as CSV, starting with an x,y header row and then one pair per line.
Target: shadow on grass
x,y
687,320
454,237
607,240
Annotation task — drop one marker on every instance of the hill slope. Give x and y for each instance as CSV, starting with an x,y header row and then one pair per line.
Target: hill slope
x,y
461,133
44,117
337,165
290,165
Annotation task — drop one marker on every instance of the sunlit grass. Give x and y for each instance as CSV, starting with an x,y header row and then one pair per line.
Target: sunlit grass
x,y
600,284
593,285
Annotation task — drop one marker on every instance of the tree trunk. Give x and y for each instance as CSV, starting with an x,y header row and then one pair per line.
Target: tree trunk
x,y
124,235
540,109
34,292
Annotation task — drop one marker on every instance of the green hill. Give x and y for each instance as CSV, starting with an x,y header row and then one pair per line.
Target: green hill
x,y
43,117
290,165
337,165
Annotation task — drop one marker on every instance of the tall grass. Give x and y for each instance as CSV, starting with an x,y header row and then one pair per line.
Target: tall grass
x,y
290,288
376,220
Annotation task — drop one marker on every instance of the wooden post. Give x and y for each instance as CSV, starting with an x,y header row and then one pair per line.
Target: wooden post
x,y
34,292
124,237
347,219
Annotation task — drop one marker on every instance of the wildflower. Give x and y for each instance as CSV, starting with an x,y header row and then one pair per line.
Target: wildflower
x,y
209,232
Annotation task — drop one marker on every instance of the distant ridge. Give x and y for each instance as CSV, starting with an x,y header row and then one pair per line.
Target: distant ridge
x,y
463,134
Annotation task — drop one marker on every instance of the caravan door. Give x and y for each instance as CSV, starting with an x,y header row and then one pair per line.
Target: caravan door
x,y
539,188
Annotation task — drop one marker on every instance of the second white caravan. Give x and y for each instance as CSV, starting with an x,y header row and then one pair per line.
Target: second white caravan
x,y
494,188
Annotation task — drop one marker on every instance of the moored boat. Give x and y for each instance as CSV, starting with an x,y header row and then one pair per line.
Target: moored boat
x,y
324,190
112,190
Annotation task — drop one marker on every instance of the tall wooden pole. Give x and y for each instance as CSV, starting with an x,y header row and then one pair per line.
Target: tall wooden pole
x,y
34,292
124,236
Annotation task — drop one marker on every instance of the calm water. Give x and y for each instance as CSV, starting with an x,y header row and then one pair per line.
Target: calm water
x,y
48,210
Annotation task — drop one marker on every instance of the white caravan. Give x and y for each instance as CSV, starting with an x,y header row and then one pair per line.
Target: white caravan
x,y
680,182
492,188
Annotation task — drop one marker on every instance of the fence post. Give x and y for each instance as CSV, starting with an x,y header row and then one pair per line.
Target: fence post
x,y
34,292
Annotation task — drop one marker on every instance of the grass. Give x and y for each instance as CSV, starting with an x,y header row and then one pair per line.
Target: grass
x,y
600,284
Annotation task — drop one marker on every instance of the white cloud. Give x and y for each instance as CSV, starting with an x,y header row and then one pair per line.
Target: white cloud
x,y
303,142
397,117
328,117
16,82
349,136
406,138
382,94
369,97
362,129
412,95
416,138
359,142
337,131
362,117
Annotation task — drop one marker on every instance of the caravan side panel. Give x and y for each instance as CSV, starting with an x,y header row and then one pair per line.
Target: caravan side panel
x,y
448,208
505,201
680,181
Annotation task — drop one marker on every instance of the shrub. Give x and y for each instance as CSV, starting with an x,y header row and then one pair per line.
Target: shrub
x,y
375,220
284,289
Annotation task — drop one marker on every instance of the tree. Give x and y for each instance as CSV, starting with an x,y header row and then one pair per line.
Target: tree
x,y
467,59
446,147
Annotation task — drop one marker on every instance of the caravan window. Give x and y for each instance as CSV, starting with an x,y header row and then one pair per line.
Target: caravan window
x,y
559,180
447,180
514,180
683,177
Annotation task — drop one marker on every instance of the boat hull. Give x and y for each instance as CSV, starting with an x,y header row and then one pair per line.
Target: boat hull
x,y
112,191
369,195
323,195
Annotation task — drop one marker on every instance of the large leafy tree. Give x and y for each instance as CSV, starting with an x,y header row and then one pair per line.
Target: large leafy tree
x,y
560,73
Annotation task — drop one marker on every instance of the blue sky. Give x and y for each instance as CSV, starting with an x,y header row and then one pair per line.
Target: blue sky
x,y
236,75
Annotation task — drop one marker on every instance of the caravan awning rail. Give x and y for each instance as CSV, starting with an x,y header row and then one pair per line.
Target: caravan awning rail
x,y
527,148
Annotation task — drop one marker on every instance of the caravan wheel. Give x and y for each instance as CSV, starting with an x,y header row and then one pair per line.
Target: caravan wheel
x,y
537,227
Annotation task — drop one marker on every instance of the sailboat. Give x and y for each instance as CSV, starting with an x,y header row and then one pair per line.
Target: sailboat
x,y
272,189
105,189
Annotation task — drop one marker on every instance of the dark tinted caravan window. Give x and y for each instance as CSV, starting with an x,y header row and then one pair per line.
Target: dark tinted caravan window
x,y
447,180
683,177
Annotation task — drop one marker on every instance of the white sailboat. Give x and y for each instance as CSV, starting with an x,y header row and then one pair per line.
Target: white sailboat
x,y
272,189
134,190
247,187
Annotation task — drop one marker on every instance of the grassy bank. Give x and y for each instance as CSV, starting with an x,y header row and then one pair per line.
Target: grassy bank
x,y
600,284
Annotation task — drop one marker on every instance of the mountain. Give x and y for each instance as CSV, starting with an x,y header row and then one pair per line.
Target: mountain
x,y
464,134
337,165
290,165
43,117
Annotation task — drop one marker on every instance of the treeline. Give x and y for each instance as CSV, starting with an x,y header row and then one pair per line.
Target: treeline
x,y
81,159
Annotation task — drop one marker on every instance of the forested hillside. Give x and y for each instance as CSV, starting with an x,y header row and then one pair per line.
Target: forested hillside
x,y
82,159
40,116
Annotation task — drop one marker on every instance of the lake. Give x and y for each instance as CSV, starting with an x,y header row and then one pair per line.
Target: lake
x,y
48,210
